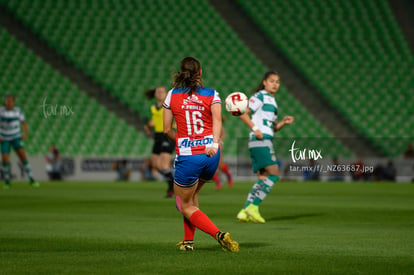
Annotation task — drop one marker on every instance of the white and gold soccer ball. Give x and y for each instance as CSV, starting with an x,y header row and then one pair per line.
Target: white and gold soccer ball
x,y
237,103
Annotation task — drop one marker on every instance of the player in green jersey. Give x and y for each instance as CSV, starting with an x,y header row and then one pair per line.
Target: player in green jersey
x,y
11,118
263,123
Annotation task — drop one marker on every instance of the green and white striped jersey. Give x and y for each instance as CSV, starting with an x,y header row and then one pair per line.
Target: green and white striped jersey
x,y
264,113
10,123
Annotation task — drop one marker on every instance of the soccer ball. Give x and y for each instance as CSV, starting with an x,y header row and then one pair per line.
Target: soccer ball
x,y
237,103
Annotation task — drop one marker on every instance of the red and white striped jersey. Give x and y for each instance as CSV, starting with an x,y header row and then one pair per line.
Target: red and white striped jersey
x,y
193,118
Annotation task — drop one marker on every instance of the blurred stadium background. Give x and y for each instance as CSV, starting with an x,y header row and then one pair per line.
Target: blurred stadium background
x,y
79,70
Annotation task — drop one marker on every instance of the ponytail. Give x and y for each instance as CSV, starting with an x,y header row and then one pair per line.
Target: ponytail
x,y
189,75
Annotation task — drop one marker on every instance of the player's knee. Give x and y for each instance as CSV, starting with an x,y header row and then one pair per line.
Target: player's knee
x,y
187,208
187,213
276,173
272,170
164,166
5,158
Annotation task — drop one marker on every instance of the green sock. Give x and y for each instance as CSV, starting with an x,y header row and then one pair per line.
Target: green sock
x,y
252,194
28,170
265,188
6,174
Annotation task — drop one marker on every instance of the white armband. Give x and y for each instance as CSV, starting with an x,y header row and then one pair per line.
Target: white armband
x,y
254,128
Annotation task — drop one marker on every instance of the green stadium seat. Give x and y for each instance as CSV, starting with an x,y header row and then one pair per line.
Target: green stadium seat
x,y
31,80
359,45
124,46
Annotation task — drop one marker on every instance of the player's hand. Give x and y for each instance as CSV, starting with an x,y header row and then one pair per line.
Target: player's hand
x,y
147,130
258,134
288,119
211,151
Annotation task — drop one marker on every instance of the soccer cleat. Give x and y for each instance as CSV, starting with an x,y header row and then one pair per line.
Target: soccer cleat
x,y
35,184
253,212
6,186
226,242
243,217
186,245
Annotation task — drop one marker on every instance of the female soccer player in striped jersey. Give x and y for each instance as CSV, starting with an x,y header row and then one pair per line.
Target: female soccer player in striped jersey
x,y
11,118
263,124
197,112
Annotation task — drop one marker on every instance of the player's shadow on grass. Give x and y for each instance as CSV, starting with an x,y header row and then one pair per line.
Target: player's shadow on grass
x,y
253,244
243,245
295,217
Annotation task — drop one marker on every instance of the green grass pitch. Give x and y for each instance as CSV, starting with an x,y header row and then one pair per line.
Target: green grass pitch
x,y
130,228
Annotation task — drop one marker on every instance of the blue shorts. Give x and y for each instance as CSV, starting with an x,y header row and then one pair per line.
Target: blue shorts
x,y
189,169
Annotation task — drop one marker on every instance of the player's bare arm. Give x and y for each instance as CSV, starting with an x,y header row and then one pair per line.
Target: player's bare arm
x,y
285,120
148,126
168,124
217,129
247,120
24,128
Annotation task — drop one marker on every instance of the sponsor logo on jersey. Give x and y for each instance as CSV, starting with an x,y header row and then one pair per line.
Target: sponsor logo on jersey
x,y
185,143
192,99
